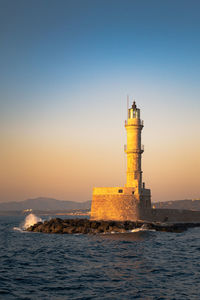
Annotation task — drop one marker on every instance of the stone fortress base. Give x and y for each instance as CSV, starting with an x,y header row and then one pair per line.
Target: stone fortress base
x,y
114,203
120,204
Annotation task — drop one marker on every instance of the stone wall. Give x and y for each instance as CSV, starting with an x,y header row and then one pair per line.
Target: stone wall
x,y
123,203
172,215
109,204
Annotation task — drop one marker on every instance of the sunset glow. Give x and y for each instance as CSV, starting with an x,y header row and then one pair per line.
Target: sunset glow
x,y
65,73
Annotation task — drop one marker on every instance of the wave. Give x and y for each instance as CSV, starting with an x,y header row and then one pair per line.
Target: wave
x,y
30,220
143,228
18,229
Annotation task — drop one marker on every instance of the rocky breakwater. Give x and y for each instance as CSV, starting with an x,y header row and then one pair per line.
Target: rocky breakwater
x,y
85,226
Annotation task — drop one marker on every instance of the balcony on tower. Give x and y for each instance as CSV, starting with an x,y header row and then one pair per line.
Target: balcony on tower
x,y
139,122
141,150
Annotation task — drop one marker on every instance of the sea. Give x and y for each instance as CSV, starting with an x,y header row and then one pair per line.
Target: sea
x,y
135,265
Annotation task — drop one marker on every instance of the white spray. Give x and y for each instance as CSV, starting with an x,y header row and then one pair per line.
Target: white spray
x,y
30,220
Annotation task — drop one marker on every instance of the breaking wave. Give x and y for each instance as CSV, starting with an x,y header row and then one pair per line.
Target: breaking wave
x,y
30,220
143,228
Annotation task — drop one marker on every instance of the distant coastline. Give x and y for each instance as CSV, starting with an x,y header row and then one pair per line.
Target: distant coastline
x,y
45,205
50,206
46,212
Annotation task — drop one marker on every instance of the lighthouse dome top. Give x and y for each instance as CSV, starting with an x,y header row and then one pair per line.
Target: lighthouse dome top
x,y
134,106
134,112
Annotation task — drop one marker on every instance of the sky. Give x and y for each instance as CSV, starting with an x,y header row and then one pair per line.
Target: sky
x,y
66,67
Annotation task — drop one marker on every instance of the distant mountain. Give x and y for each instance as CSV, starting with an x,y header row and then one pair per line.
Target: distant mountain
x,y
50,204
44,204
179,204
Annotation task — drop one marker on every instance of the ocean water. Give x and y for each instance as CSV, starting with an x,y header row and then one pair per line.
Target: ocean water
x,y
139,265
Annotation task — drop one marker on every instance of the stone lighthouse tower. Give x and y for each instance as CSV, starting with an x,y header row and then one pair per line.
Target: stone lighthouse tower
x,y
134,149
133,201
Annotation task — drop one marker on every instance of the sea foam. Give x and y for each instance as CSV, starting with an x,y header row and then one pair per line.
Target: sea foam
x,y
30,220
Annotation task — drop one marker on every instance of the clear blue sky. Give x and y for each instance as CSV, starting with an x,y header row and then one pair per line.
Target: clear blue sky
x,y
65,70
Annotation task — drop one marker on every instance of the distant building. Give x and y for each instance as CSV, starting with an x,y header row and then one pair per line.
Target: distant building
x,y
133,201
27,210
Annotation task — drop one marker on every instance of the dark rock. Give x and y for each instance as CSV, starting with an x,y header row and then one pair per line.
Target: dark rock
x,y
129,225
39,228
84,226
30,228
94,224
58,229
72,230
65,229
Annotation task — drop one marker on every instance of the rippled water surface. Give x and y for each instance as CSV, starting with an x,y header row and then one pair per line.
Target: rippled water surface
x,y
140,265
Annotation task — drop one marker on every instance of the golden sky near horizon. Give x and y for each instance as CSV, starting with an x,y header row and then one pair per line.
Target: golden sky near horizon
x,y
65,159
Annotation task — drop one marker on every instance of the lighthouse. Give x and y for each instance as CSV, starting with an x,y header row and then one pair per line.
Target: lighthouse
x,y
134,149
132,201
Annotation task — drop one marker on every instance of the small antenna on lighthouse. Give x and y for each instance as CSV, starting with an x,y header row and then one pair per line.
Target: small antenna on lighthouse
x,y
127,105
